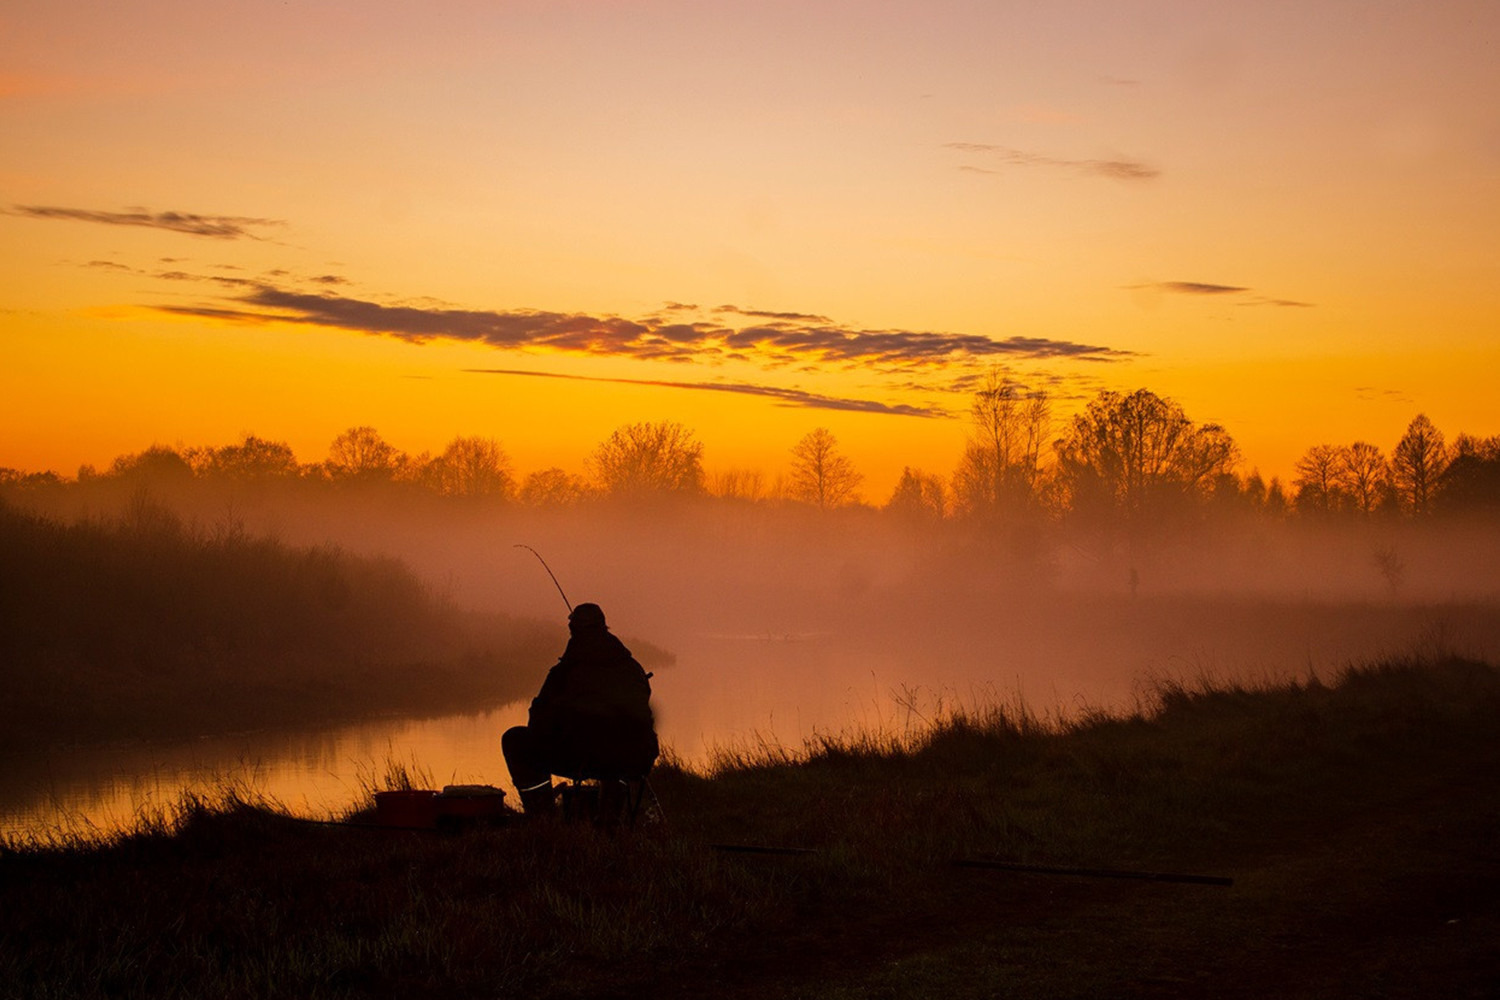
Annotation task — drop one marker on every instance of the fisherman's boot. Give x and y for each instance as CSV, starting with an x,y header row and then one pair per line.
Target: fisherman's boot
x,y
538,802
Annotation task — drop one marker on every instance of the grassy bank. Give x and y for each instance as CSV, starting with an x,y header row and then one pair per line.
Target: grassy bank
x,y
1357,819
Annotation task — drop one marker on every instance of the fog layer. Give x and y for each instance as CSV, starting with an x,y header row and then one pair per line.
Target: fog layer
x,y
786,619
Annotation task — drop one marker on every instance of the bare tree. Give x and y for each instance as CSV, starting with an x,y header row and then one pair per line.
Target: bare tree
x,y
473,467
738,484
1317,482
1002,462
820,474
1419,459
554,488
361,453
1363,476
648,459
1392,568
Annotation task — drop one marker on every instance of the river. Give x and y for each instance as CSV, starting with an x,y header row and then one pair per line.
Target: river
x,y
781,685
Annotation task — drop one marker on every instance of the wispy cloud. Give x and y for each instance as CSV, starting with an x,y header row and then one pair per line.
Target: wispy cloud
x,y
782,396
767,314
226,280
1261,300
224,227
1373,394
1118,168
801,340
1205,288
1195,288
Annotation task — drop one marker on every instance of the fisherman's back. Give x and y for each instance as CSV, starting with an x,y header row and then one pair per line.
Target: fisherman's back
x,y
591,719
596,678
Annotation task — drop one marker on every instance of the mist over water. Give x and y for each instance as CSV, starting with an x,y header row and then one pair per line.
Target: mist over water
x,y
789,622
786,622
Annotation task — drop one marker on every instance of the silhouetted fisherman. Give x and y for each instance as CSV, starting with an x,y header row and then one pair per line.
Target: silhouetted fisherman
x,y
591,719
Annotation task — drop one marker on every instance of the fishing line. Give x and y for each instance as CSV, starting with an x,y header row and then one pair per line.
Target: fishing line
x,y
539,559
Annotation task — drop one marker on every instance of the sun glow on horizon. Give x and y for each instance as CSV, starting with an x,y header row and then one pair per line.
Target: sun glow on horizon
x,y
743,218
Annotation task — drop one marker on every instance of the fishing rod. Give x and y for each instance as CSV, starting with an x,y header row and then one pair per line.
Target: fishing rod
x,y
539,559
1010,866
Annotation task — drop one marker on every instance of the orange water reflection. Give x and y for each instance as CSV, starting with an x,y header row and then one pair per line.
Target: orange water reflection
x,y
94,790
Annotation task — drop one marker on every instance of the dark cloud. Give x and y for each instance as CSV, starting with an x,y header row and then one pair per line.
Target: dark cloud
x,y
1058,386
1196,288
1117,169
1283,303
1211,289
225,227
764,314
218,279
207,312
224,280
781,342
782,396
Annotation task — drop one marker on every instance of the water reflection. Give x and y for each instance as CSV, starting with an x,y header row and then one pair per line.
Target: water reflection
x,y
98,789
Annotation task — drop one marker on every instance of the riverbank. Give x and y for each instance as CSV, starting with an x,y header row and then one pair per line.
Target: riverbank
x,y
1357,821
146,627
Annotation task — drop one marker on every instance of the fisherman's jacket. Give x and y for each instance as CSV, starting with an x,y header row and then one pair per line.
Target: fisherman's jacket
x,y
595,679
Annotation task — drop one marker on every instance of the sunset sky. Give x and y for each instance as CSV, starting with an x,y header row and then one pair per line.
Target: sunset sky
x,y
753,218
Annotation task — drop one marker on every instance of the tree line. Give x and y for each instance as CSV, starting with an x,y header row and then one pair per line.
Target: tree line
x,y
1132,455
1125,457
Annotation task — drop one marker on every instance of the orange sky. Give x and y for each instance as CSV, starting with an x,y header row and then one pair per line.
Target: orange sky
x,y
288,219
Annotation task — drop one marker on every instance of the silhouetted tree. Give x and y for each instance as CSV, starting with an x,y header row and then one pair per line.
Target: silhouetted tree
x,y
361,453
918,496
158,465
1472,479
1002,462
1131,452
1416,464
738,484
1363,476
820,474
472,467
252,460
554,488
1276,502
1317,479
29,480
1254,490
648,459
